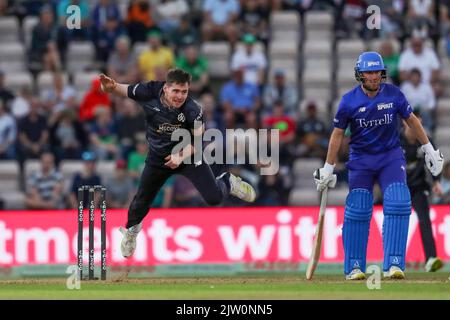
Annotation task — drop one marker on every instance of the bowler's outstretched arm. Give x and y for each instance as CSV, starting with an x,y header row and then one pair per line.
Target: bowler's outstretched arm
x,y
110,85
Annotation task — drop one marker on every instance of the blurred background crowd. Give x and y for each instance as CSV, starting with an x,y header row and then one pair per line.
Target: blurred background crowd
x,y
255,64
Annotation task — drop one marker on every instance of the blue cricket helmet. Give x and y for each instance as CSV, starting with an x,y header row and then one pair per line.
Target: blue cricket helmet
x,y
369,61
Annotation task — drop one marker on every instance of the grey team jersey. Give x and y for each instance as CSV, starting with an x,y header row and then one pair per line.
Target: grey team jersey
x,y
161,121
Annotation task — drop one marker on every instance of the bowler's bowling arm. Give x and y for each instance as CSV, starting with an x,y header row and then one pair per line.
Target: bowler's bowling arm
x,y
121,90
108,84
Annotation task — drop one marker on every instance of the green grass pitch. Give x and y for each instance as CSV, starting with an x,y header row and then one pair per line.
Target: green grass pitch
x,y
272,287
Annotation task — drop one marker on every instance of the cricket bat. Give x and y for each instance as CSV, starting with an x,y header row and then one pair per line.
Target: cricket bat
x,y
315,255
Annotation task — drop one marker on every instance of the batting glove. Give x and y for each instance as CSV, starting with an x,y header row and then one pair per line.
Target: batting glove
x,y
324,177
434,159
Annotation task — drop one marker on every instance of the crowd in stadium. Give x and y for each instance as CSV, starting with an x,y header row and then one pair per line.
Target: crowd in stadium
x,y
60,122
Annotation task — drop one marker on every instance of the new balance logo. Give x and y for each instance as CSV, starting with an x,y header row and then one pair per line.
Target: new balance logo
x,y
362,109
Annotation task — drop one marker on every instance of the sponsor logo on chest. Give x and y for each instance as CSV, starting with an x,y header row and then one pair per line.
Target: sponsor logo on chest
x,y
384,106
167,128
387,119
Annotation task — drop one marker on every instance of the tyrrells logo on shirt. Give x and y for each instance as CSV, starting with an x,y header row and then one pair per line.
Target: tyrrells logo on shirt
x,y
387,119
384,106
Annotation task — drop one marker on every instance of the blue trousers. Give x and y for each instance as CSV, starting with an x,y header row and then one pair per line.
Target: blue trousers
x,y
389,170
385,168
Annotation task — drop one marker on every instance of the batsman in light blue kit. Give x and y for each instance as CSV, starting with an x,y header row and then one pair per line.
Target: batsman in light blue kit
x,y
372,111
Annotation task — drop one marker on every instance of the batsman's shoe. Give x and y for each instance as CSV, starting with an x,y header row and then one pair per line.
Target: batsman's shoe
x,y
433,264
394,273
355,274
128,244
241,189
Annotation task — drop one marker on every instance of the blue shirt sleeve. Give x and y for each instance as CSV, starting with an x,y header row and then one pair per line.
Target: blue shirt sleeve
x,y
341,118
403,106
225,94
